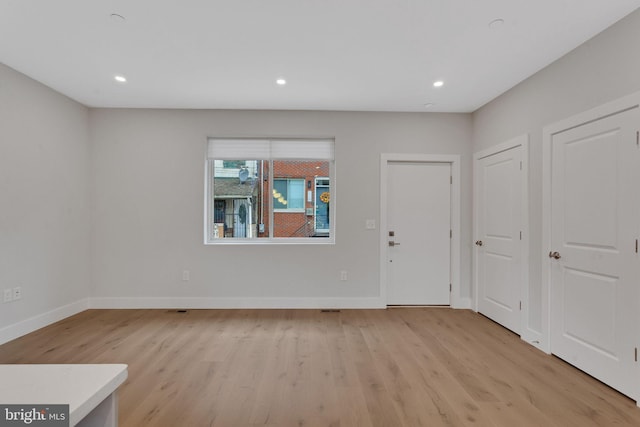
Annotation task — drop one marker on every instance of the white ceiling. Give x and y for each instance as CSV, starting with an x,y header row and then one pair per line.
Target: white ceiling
x,y
370,55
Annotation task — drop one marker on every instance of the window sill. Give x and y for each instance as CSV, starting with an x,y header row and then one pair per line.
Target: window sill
x,y
289,211
272,241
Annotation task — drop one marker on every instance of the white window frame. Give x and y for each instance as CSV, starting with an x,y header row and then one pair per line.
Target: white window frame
x,y
268,149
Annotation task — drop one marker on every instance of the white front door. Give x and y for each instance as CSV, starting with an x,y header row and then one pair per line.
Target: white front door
x,y
593,289
418,228
499,245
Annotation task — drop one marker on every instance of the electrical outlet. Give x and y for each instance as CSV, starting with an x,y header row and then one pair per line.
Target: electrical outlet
x,y
8,295
343,275
185,275
17,293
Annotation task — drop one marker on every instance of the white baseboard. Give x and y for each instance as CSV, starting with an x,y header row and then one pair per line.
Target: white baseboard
x,y
461,303
31,324
205,303
536,339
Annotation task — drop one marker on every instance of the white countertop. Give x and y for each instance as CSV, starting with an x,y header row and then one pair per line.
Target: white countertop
x,y
82,387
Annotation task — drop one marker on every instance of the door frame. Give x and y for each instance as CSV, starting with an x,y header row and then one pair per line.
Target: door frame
x,y
454,160
597,113
526,333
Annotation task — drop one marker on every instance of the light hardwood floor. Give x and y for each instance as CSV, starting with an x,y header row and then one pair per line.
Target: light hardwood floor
x,y
395,367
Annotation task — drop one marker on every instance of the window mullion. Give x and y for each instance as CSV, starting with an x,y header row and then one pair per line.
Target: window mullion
x,y
271,200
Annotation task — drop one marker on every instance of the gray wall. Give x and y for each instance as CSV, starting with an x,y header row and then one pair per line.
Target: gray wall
x,y
605,68
44,198
148,169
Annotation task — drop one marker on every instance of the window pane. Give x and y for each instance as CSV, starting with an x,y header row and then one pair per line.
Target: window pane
x,y
295,192
288,194
296,181
237,196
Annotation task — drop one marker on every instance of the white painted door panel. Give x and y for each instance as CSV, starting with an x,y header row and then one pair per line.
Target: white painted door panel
x,y
419,215
594,297
499,260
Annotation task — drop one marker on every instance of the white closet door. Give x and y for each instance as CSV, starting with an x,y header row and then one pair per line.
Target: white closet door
x,y
499,244
594,293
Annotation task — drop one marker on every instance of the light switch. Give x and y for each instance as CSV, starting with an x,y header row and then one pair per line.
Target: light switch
x,y
370,224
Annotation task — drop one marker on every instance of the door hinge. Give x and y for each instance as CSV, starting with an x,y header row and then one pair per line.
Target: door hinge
x,y
636,245
636,354
521,235
450,288
638,138
521,165
450,179
451,234
520,305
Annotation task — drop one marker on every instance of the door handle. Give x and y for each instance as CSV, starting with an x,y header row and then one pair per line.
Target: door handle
x,y
479,242
555,255
392,244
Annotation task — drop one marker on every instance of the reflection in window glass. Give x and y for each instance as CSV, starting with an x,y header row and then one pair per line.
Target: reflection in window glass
x,y
288,194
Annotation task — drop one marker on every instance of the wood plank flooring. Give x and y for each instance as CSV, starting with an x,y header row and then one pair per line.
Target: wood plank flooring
x,y
396,367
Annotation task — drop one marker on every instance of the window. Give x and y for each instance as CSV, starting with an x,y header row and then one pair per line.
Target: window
x,y
233,164
269,191
288,194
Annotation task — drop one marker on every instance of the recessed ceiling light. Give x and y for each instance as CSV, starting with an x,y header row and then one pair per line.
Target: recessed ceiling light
x,y
496,23
281,82
438,83
428,105
120,79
